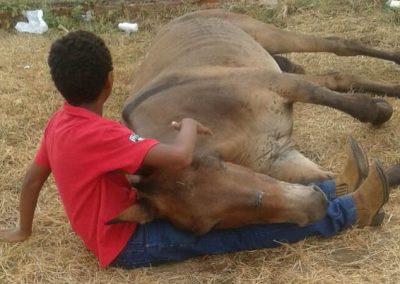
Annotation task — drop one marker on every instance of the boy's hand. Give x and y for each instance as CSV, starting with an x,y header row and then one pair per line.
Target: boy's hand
x,y
201,129
177,155
14,235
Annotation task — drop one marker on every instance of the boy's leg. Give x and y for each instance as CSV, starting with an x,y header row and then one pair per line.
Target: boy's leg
x,y
159,241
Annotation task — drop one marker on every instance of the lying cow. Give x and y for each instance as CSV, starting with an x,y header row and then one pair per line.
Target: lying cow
x,y
221,69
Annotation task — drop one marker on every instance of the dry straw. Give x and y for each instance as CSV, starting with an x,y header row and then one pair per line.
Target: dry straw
x,y
55,255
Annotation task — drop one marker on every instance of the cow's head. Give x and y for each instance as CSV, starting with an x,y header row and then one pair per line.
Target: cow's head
x,y
213,193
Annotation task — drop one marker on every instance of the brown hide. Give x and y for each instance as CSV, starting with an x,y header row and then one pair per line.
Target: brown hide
x,y
217,68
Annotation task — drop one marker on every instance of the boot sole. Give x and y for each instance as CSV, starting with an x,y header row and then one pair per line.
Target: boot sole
x,y
362,160
377,219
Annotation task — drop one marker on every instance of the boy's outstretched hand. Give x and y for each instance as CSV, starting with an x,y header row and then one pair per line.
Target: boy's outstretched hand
x,y
201,129
13,235
33,182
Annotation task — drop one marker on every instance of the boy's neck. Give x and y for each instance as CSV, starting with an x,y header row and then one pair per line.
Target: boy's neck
x,y
93,108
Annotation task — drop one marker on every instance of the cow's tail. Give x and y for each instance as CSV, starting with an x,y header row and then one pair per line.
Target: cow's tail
x,y
288,66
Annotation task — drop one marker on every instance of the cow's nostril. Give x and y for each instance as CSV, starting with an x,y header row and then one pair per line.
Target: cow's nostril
x,y
318,189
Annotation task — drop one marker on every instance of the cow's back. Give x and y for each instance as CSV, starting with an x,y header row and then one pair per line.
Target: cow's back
x,y
191,42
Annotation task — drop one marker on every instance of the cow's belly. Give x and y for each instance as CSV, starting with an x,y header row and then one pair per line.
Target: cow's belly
x,y
256,141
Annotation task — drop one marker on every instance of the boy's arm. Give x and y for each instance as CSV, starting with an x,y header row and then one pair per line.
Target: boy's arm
x,y
179,154
33,182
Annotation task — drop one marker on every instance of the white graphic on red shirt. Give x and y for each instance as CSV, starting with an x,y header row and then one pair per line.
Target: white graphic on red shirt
x,y
135,138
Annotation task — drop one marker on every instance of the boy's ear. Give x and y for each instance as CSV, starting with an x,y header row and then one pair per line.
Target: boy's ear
x,y
109,80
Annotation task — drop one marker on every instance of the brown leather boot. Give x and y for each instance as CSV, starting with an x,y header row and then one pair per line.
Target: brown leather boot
x,y
369,198
355,170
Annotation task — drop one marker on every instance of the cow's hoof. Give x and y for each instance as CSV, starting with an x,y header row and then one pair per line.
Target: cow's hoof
x,y
396,57
384,111
393,174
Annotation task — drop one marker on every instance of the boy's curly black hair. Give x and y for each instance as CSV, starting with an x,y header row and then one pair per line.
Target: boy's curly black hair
x,y
79,65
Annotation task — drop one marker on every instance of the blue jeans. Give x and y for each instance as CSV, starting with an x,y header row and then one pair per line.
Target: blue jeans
x,y
159,241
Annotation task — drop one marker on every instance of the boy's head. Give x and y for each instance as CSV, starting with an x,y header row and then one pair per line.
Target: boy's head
x,y
80,64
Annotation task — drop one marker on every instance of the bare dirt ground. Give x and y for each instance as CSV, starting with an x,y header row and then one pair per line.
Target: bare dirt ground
x,y
55,255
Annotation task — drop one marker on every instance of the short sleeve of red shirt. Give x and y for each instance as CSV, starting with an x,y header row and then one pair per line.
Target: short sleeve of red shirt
x,y
122,149
42,157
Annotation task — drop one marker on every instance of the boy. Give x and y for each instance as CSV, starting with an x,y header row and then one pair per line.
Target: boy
x,y
89,155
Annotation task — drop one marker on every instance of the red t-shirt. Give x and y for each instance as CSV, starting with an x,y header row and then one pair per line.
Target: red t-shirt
x,y
84,152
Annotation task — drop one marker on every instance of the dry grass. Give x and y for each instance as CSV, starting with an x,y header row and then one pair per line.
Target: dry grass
x,y
55,255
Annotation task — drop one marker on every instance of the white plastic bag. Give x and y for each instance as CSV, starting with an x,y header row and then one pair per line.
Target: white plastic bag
x,y
35,25
128,27
394,4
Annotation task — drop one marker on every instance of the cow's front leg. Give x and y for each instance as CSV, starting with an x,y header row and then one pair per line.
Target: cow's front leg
x,y
292,166
360,106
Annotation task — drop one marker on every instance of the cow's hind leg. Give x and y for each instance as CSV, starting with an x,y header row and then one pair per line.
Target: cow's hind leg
x,y
345,83
278,41
360,106
338,81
